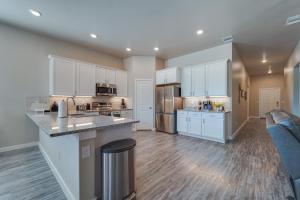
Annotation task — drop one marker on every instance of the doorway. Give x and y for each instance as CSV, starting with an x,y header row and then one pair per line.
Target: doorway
x,y
144,104
269,99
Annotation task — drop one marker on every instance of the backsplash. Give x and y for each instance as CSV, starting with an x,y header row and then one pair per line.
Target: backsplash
x,y
192,102
115,101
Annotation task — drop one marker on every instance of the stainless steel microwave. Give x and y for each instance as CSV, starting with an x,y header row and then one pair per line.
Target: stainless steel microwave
x,y
104,89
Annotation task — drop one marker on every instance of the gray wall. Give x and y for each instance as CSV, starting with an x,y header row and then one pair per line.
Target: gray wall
x,y
24,73
289,81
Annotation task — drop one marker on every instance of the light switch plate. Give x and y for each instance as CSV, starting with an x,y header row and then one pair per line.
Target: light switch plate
x,y
86,151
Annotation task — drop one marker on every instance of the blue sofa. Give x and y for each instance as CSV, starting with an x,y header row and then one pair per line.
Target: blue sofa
x,y
284,129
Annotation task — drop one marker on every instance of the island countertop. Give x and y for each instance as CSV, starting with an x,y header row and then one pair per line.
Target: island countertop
x,y
54,126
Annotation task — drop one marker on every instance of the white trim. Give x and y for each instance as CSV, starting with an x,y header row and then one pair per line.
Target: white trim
x,y
254,117
19,146
238,130
56,174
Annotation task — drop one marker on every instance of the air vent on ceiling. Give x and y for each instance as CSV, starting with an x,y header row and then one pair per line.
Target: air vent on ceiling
x,y
292,20
227,39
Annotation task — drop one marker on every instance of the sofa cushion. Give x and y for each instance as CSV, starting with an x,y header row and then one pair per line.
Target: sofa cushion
x,y
293,125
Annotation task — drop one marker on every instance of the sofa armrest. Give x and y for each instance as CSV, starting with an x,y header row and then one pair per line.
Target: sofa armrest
x,y
288,148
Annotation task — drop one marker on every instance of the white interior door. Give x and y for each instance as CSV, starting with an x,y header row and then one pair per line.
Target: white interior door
x,y
144,104
269,99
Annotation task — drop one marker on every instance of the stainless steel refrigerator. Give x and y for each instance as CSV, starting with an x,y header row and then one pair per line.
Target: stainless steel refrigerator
x,y
167,102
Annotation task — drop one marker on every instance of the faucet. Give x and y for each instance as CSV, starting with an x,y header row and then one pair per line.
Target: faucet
x,y
67,100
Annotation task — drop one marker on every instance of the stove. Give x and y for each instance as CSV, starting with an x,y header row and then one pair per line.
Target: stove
x,y
104,108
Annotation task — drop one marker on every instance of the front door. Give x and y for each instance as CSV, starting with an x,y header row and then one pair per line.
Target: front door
x,y
144,104
269,99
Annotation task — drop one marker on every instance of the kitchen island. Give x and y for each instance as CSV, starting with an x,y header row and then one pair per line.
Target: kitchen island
x,y
71,146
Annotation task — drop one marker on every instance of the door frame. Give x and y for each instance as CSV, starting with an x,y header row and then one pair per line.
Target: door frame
x,y
260,98
153,100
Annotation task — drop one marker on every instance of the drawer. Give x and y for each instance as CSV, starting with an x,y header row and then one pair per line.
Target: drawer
x,y
181,113
214,115
195,114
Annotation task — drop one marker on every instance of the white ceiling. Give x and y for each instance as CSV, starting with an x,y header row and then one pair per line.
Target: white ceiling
x,y
257,26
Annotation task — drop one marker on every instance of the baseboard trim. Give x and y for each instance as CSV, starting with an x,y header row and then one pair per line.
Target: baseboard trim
x,y
19,146
254,117
57,175
238,130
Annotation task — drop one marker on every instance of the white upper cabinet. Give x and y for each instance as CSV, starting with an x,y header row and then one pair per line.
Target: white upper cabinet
x,y
105,75
186,82
86,83
121,82
216,79
205,80
100,75
62,78
110,76
198,80
168,76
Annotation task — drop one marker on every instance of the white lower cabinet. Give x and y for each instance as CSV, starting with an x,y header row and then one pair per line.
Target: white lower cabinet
x,y
204,125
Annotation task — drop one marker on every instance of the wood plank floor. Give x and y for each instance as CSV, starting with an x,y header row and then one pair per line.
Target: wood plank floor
x,y
179,167
170,167
25,175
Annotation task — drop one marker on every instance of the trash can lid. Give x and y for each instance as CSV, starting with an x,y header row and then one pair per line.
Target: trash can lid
x,y
118,146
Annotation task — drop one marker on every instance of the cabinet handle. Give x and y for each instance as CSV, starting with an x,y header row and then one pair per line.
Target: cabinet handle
x,y
203,121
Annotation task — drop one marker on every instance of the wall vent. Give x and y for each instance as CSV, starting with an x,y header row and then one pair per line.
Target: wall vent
x,y
227,39
292,20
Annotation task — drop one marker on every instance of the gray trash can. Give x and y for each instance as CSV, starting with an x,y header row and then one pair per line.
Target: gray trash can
x,y
118,170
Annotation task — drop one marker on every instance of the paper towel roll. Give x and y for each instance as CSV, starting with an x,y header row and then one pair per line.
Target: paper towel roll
x,y
62,109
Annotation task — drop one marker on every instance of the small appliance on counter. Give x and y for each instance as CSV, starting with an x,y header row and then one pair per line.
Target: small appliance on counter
x,y
54,107
123,104
62,109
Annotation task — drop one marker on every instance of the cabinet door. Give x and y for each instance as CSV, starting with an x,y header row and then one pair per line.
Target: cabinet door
x,y
85,80
198,80
111,76
160,77
62,73
213,125
172,75
182,123
195,122
121,82
216,79
186,82
100,75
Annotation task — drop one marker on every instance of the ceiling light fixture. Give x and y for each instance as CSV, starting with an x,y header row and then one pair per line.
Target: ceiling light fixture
x,y
292,20
128,49
156,49
270,70
93,35
200,32
35,12
264,60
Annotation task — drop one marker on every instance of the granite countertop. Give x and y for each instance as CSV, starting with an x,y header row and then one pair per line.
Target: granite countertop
x,y
195,110
54,126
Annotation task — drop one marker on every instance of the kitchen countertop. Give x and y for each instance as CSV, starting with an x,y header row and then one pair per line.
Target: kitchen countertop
x,y
195,110
112,110
54,126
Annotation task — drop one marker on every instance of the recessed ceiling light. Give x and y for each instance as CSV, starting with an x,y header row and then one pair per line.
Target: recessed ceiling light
x,y
93,35
264,60
128,49
156,49
292,20
35,12
200,32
